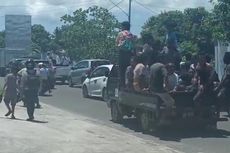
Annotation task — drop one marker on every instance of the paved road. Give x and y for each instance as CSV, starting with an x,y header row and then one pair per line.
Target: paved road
x,y
191,141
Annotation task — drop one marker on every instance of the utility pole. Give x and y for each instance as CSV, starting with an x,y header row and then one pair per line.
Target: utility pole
x,y
129,17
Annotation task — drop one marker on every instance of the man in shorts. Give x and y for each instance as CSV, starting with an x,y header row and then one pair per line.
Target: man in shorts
x,y
10,91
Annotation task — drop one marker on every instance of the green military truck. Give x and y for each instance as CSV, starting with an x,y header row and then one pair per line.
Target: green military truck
x,y
150,109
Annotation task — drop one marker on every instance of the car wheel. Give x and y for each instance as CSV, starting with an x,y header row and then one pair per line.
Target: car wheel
x,y
115,113
70,82
85,92
104,95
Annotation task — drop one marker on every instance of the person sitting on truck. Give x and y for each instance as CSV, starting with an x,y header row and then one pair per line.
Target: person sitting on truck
x,y
129,73
158,73
172,78
140,74
204,78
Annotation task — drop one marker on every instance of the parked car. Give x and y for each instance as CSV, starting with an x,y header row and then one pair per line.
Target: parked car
x,y
62,72
95,83
83,68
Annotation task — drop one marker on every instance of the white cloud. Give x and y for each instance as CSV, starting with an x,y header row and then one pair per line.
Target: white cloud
x,y
48,12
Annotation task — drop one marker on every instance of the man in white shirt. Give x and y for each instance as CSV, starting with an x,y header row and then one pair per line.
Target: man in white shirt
x,y
43,74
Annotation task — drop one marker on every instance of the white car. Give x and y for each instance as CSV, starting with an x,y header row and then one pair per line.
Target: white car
x,y
95,83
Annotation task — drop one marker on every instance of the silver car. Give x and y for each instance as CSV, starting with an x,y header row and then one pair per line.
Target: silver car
x,y
95,83
80,70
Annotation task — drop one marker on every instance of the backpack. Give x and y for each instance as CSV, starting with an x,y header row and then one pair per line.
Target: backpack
x,y
128,43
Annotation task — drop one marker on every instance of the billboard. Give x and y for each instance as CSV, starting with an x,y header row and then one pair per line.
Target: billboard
x,y
18,32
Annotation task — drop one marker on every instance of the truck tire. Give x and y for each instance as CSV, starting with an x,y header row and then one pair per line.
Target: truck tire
x,y
70,81
104,95
115,113
144,121
63,81
85,92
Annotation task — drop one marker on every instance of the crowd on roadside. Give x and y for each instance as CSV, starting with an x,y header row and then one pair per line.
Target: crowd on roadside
x,y
145,69
26,85
58,59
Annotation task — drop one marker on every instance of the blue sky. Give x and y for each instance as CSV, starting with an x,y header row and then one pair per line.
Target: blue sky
x,y
48,12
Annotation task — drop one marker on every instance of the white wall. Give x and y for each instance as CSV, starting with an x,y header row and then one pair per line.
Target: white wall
x,y
220,50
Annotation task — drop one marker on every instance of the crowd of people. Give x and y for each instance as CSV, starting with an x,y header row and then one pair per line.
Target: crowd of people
x,y
146,69
58,59
26,85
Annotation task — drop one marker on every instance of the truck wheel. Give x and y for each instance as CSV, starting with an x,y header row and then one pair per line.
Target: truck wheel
x,y
85,92
115,113
70,82
63,81
145,121
211,127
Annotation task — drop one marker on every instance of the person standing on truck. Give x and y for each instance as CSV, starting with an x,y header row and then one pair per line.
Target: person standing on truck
x,y
149,52
124,42
30,87
10,91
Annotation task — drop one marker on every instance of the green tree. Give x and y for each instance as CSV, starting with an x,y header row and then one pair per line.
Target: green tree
x,y
89,33
221,20
192,27
40,38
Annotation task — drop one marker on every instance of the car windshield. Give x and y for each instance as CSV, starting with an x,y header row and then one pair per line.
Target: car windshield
x,y
115,76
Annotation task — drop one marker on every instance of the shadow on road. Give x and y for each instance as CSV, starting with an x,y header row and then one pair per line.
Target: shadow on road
x,y
18,119
177,133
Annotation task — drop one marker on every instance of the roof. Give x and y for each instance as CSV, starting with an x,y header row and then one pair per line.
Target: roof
x,y
94,60
110,66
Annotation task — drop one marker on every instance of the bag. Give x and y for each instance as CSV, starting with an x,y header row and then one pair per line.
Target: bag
x,y
128,43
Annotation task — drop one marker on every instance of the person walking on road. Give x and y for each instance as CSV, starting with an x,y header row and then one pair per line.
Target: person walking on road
x,y
10,91
30,85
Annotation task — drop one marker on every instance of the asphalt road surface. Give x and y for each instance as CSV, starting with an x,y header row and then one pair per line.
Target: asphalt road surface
x,y
187,140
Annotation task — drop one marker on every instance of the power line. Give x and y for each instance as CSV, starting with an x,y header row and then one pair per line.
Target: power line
x,y
119,7
139,3
116,5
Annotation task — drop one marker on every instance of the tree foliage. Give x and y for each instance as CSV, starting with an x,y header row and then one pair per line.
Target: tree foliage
x,y
88,33
221,20
191,26
40,38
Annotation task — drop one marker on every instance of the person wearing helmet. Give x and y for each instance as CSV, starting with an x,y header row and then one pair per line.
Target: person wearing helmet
x,y
10,90
30,85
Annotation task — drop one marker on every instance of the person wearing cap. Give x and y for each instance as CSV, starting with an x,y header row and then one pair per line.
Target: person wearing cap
x,y
30,86
10,91
124,43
